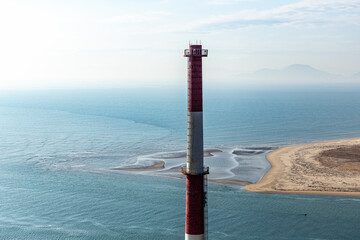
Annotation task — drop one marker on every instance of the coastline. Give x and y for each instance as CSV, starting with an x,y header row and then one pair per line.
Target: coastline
x,y
297,170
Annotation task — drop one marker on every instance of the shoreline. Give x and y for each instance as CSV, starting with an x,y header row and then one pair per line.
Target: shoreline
x,y
297,170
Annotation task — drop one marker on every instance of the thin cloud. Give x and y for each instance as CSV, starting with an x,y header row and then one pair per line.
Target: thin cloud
x,y
305,13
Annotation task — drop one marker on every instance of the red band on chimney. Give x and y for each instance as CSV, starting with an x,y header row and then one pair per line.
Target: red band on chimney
x,y
195,82
194,223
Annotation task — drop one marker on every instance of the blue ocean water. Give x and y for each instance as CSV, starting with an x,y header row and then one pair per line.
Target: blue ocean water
x,y
59,148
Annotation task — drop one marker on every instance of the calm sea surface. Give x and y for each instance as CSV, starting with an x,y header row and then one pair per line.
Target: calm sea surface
x,y
58,149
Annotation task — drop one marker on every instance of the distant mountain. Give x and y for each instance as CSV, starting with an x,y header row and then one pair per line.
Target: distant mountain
x,y
306,70
296,73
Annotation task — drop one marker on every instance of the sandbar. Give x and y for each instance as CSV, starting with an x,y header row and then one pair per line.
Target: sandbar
x,y
161,165
207,153
322,168
155,166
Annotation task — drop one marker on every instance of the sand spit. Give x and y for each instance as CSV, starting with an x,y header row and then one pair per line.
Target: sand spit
x,y
323,168
207,153
155,166
161,165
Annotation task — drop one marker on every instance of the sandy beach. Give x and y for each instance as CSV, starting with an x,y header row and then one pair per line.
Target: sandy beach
x,y
322,168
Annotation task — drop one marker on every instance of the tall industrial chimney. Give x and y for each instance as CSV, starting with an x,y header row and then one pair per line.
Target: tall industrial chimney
x,y
194,170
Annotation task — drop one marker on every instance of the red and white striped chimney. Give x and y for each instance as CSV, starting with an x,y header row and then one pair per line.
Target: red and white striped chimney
x,y
195,171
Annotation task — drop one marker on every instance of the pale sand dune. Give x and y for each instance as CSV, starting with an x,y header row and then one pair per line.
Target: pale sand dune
x,y
323,168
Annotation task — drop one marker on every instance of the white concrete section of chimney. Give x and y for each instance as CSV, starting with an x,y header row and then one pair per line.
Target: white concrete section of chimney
x,y
194,237
195,151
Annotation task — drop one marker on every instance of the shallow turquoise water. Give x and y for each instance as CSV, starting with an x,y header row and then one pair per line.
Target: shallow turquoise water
x,y
58,148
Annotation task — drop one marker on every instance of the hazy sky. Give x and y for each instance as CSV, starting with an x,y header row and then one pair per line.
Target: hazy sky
x,y
114,43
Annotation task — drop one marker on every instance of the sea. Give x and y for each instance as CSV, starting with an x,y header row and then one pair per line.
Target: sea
x,y
61,151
